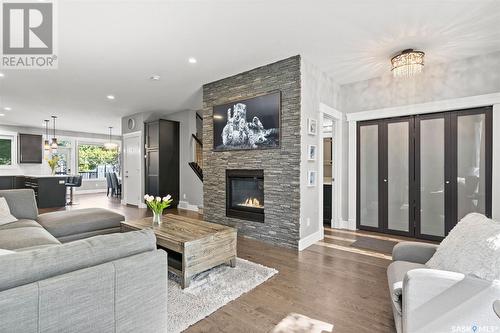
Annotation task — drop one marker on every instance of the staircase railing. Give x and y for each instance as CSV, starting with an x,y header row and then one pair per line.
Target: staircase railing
x,y
197,165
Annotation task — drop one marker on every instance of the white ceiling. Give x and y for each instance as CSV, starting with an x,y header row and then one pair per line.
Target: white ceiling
x,y
113,47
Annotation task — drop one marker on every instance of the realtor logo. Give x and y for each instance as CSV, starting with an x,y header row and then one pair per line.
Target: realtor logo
x,y
28,35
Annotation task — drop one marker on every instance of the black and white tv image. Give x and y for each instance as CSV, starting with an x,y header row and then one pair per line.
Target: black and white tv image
x,y
248,124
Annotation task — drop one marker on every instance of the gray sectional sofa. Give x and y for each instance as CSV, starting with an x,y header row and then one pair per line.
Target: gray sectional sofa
x,y
72,272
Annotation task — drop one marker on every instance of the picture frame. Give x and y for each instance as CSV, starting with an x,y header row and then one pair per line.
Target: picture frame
x,y
312,176
248,124
312,152
312,126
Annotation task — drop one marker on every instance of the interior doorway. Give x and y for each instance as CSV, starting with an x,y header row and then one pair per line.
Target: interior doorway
x,y
330,166
132,169
419,175
328,175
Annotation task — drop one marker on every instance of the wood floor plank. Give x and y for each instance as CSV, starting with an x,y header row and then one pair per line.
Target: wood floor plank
x,y
328,281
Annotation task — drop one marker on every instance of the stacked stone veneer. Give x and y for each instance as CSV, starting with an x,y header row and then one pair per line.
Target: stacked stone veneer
x,y
281,166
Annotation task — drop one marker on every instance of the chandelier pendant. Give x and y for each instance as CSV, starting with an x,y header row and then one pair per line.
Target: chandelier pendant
x,y
407,63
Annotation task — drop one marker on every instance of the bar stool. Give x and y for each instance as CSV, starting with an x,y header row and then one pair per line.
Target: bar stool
x,y
72,182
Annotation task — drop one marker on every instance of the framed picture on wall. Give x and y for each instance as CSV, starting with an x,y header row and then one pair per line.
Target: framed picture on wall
x,y
248,124
311,178
312,126
311,152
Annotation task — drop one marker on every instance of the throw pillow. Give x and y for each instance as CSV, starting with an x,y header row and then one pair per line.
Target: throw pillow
x,y
472,247
2,252
5,216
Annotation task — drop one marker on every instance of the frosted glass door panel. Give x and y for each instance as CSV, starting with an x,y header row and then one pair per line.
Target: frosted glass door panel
x,y
368,175
471,163
398,185
432,182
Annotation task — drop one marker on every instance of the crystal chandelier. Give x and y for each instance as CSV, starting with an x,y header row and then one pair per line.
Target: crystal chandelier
x,y
110,145
407,63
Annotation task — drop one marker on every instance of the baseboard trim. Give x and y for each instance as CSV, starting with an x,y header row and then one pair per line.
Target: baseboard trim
x,y
187,206
311,239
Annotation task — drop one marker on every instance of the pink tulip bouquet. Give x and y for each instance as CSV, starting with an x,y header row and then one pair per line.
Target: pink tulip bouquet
x,y
157,205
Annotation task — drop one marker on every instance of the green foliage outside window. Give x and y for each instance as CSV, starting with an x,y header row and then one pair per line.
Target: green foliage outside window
x,y
92,156
5,152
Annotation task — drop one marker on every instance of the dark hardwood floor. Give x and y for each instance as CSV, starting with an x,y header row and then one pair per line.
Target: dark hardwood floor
x,y
329,281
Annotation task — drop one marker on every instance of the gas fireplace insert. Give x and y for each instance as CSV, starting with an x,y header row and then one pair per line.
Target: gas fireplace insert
x,y
245,194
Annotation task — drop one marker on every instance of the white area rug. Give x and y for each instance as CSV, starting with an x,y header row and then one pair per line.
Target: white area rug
x,y
297,323
210,291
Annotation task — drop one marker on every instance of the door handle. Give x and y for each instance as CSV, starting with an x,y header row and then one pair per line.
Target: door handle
x,y
447,182
385,180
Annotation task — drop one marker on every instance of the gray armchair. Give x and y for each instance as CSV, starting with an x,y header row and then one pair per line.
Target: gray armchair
x,y
430,300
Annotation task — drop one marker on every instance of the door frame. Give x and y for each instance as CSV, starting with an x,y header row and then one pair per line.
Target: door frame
x,y
337,151
137,134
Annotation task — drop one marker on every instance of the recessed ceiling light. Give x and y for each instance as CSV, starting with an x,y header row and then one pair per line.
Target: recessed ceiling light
x,y
2,74
110,97
192,60
155,77
1,115
7,108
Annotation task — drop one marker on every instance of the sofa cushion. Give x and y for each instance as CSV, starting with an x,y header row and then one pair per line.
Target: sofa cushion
x,y
65,223
5,215
17,238
20,224
395,276
22,203
471,247
29,266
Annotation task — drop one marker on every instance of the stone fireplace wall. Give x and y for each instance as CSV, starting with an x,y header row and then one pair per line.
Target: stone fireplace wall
x,y
281,166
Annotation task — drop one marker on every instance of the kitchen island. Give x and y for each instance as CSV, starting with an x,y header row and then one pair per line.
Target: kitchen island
x,y
50,191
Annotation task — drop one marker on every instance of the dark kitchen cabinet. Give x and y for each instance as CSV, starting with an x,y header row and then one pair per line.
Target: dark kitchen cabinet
x,y
11,182
162,159
30,148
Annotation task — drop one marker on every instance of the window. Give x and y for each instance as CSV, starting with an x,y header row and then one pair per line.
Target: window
x,y
6,150
94,161
64,152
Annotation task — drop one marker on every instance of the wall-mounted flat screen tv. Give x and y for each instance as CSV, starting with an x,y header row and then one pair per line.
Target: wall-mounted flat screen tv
x,y
252,123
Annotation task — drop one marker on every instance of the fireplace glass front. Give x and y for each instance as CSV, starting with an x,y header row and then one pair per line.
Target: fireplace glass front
x,y
245,194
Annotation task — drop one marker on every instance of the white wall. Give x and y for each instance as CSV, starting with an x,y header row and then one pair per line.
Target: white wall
x,y
469,77
191,187
316,88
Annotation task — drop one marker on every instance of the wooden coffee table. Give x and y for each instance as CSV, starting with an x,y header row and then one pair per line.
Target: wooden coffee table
x,y
193,246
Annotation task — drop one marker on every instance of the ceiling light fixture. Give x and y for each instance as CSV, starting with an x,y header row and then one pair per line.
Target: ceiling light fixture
x,y
2,74
110,145
7,108
46,143
192,60
111,97
2,115
54,145
155,77
407,63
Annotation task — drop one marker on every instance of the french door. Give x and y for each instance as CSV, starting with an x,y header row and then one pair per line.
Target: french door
x,y
419,175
